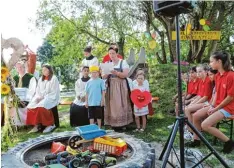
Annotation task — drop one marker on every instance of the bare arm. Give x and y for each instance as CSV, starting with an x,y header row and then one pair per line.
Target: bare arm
x,y
103,98
202,100
214,100
225,102
86,101
123,74
196,100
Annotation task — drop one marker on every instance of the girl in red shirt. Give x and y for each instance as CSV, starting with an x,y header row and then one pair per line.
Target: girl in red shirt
x,y
201,114
223,102
204,92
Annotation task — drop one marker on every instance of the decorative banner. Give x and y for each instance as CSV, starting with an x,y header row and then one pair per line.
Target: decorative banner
x,y
152,44
206,28
153,35
188,29
198,35
202,22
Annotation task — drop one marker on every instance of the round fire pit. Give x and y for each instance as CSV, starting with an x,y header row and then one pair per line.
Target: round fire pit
x,y
139,154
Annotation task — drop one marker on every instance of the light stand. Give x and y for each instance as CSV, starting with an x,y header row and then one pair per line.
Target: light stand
x,y
181,120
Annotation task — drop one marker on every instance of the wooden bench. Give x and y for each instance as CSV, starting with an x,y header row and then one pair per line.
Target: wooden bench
x,y
154,100
65,103
228,122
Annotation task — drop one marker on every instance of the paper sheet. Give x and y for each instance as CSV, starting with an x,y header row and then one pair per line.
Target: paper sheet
x,y
107,67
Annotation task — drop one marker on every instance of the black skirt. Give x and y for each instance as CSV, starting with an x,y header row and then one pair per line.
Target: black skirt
x,y
78,115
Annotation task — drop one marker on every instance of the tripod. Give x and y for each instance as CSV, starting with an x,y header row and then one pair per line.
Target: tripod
x,y
181,120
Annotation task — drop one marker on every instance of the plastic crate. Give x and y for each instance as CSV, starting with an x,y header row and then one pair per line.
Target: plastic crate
x,y
89,132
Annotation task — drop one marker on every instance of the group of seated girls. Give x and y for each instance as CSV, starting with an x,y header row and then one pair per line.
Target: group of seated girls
x,y
210,99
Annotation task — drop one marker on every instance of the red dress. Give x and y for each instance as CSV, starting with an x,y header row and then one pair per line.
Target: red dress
x,y
39,115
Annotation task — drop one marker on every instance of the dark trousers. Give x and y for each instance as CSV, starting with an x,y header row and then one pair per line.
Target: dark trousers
x,y
56,116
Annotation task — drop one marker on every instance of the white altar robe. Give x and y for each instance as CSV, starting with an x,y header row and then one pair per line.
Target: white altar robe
x,y
49,90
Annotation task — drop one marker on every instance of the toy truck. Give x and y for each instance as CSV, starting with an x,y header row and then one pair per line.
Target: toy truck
x,y
114,146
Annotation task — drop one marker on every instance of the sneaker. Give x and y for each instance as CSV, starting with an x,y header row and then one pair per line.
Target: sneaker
x,y
195,143
142,130
228,146
136,130
34,130
49,129
188,136
170,126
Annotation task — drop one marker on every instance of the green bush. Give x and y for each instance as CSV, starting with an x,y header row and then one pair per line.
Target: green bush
x,y
163,84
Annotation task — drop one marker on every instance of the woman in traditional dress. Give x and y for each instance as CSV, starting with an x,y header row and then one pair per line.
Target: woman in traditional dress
x,y
118,107
47,96
78,111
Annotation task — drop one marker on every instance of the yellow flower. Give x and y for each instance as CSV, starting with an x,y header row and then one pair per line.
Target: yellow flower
x,y
4,71
3,78
5,89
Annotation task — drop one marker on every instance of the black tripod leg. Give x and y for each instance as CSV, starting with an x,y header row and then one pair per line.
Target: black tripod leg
x,y
207,144
181,127
171,141
165,146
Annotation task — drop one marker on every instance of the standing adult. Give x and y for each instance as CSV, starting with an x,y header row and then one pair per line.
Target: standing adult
x,y
118,108
47,97
24,83
107,58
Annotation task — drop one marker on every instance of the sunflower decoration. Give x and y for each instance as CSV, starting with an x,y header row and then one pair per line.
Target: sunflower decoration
x,y
5,89
3,78
4,71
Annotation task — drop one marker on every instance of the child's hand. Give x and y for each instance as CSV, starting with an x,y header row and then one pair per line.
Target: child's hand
x,y
82,99
206,105
102,103
114,72
211,110
86,105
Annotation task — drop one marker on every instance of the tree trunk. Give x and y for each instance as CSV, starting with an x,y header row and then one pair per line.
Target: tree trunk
x,y
121,45
201,51
158,58
172,43
164,55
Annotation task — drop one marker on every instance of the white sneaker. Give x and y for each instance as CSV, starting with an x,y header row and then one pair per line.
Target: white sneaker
x,y
170,126
34,130
49,129
188,136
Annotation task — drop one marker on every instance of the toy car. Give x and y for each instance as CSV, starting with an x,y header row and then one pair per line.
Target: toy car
x,y
80,159
60,158
86,133
101,161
